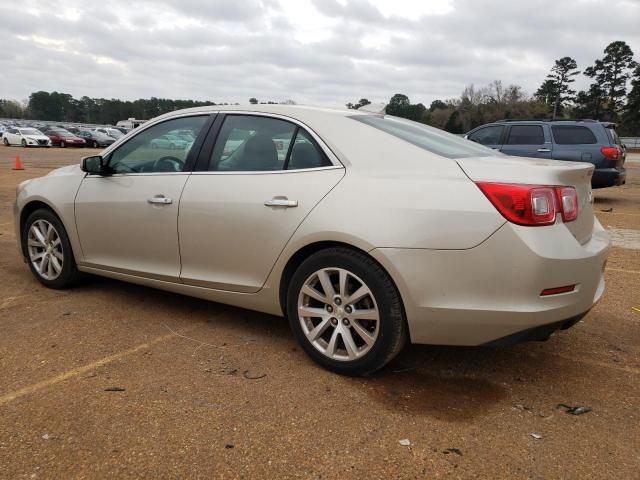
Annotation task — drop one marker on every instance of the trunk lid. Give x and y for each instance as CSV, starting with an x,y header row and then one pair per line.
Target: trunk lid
x,y
531,171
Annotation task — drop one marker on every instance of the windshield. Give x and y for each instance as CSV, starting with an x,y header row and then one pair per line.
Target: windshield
x,y
428,138
62,132
115,133
30,131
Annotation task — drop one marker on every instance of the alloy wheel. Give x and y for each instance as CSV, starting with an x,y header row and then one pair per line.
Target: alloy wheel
x,y
45,249
338,314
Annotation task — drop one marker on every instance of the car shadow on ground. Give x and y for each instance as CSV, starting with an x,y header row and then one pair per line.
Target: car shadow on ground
x,y
448,383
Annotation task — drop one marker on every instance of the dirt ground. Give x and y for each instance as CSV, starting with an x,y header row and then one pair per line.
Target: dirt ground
x,y
111,380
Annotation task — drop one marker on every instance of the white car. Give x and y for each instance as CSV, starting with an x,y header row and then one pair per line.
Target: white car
x,y
172,142
369,232
27,137
111,132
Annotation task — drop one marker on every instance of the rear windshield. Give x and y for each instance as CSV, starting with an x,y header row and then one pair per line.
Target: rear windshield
x,y
572,135
428,138
613,136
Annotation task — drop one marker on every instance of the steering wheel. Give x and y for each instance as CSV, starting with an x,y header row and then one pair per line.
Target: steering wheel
x,y
168,164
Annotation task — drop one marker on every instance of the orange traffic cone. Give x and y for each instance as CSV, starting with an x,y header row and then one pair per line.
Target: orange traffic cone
x,y
18,165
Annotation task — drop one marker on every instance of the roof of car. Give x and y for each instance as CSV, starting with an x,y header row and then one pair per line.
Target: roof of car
x,y
295,111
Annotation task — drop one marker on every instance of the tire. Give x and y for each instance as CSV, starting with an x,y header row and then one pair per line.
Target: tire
x,y
24,142
6,142
68,273
95,144
386,336
62,144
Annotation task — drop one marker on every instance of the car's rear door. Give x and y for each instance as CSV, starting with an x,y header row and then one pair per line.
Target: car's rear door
x,y
127,220
528,140
576,143
255,185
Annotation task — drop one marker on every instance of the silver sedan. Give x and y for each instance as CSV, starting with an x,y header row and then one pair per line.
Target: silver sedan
x,y
365,230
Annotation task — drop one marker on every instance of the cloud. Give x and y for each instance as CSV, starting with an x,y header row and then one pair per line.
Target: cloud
x,y
313,51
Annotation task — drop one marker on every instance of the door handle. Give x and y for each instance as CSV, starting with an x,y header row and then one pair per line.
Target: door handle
x,y
160,199
544,150
281,202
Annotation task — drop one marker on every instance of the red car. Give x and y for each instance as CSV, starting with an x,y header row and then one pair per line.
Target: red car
x,y
64,138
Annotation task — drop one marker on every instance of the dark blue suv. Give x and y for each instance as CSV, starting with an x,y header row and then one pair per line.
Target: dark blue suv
x,y
572,140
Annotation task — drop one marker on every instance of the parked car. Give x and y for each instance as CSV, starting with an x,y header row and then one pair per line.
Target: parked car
x,y
172,142
369,232
27,137
96,139
64,138
570,140
112,132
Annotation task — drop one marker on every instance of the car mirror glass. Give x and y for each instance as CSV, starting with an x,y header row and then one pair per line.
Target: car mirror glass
x,y
93,165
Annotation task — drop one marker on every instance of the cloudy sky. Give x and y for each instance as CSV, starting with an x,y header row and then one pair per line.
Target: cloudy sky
x,y
312,51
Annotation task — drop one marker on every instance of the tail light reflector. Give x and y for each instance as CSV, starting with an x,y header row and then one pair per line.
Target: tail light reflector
x,y
532,205
557,290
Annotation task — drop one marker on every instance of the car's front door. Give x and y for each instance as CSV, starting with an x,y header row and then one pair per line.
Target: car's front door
x,y
528,141
127,219
260,180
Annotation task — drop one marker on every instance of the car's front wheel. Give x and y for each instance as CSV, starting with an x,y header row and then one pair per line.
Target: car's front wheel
x,y
6,142
62,144
48,250
95,144
346,312
24,142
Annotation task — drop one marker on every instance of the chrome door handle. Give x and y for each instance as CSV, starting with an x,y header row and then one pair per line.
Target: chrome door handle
x,y
544,150
160,199
281,202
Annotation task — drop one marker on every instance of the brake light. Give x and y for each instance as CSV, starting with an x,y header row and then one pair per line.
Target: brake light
x,y
532,205
611,153
568,201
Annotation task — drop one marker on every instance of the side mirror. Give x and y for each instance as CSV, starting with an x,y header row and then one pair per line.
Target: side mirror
x,y
93,165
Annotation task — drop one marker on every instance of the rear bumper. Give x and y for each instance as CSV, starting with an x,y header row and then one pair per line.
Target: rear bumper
x,y
477,296
608,177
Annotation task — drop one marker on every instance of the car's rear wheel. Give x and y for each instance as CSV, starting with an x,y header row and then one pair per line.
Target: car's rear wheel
x,y
95,144
346,312
6,142
48,250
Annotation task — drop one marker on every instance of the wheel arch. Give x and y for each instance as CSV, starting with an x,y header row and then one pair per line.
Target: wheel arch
x,y
27,210
306,251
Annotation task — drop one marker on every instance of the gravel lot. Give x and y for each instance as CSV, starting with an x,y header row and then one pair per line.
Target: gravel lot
x,y
208,391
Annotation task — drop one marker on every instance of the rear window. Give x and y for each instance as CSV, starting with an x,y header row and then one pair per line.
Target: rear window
x,y
525,135
572,135
428,138
613,136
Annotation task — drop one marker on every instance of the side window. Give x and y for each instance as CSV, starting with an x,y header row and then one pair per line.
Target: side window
x,y
251,143
488,135
306,154
155,149
572,135
526,135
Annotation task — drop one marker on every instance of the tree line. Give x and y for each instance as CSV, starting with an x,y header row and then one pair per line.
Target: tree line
x,y
608,97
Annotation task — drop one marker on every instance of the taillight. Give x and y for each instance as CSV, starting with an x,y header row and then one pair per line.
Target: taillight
x,y
568,201
532,205
611,153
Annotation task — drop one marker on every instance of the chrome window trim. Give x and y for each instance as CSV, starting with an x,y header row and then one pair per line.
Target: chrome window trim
x,y
268,172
